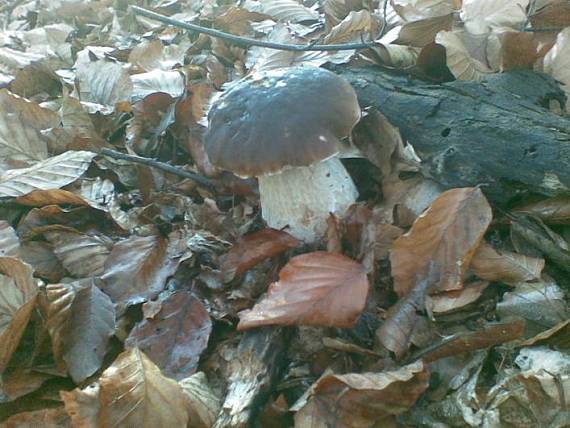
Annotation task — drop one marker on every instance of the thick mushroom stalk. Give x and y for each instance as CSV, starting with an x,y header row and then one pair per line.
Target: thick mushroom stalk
x,y
302,197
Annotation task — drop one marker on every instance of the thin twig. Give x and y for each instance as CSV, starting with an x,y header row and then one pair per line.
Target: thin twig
x,y
246,41
198,179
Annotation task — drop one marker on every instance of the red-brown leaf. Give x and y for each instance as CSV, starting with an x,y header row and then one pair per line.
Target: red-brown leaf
x,y
254,248
319,289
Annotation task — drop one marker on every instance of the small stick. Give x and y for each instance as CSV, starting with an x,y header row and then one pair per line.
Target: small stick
x,y
246,41
198,179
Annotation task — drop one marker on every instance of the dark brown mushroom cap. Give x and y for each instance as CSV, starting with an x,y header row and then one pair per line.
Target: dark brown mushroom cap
x,y
286,117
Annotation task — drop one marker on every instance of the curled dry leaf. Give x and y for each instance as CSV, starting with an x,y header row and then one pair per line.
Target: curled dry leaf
x,y
81,321
51,173
505,266
445,237
138,267
361,400
18,292
131,393
318,289
463,62
176,336
254,248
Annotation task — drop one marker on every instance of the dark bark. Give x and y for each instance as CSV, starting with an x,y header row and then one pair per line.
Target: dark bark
x,y
498,134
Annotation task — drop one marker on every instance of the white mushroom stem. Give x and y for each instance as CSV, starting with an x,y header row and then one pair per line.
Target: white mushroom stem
x,y
303,197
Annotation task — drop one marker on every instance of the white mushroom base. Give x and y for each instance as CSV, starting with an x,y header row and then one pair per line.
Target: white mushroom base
x,y
303,197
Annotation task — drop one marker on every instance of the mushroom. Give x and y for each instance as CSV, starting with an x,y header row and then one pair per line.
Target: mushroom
x,y
285,127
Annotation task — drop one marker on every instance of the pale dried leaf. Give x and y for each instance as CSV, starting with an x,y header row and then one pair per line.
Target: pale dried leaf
x,y
9,242
20,124
288,11
557,60
135,394
460,60
319,289
102,81
482,16
80,320
82,255
51,173
203,404
445,237
82,406
355,27
505,266
168,82
416,10
422,33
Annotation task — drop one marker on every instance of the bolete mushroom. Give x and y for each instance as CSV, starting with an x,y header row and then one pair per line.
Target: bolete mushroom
x,y
285,127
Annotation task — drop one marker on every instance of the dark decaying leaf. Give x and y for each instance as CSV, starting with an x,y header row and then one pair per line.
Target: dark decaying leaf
x,y
362,399
445,237
254,248
137,268
81,321
176,336
319,289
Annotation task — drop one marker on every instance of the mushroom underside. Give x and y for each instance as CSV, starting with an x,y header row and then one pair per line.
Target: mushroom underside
x,y
303,197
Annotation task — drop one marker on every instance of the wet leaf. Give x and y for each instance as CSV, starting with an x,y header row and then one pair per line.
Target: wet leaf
x,y
319,289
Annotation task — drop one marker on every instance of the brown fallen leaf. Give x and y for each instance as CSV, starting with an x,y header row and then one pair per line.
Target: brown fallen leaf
x,y
505,266
176,336
358,400
551,211
450,301
445,236
318,289
17,301
81,321
490,335
130,393
55,417
138,267
254,248
203,404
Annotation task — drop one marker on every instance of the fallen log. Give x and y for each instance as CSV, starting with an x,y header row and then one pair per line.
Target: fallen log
x,y
499,133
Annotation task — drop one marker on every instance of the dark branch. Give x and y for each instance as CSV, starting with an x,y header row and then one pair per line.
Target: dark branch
x,y
198,179
246,41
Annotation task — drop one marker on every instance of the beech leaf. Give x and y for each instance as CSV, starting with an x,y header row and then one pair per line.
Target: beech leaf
x,y
254,248
446,235
318,289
